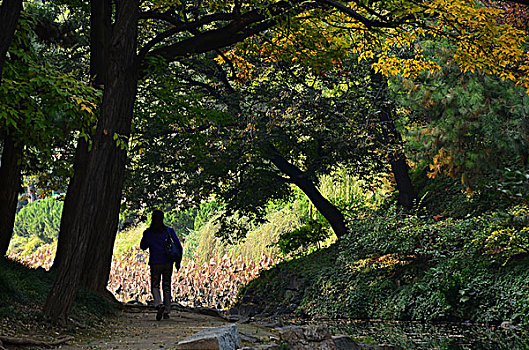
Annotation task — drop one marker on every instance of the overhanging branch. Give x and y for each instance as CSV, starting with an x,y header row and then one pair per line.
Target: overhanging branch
x,y
239,28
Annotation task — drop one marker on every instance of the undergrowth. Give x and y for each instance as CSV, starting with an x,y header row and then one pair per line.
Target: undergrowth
x,y
399,267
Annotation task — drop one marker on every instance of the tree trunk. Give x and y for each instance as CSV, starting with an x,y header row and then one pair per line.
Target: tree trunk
x,y
98,261
326,208
407,192
66,241
391,136
100,36
10,169
10,176
9,14
101,189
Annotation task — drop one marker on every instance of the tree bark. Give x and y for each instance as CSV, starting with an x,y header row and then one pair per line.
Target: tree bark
x,y
391,136
100,36
407,192
9,15
98,261
10,176
105,169
66,241
300,179
10,170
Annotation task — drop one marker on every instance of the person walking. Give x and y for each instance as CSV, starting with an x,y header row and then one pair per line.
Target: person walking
x,y
154,238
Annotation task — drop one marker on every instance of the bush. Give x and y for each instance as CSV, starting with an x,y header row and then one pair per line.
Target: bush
x,y
395,232
37,224
24,291
303,238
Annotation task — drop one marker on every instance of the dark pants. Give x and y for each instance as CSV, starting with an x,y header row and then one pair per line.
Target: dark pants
x,y
162,272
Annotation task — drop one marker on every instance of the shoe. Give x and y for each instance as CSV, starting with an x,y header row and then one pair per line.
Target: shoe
x,y
165,316
159,313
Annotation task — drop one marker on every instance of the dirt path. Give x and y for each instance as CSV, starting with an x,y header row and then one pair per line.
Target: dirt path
x,y
140,330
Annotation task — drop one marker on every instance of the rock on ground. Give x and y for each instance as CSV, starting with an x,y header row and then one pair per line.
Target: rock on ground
x,y
344,342
307,337
221,338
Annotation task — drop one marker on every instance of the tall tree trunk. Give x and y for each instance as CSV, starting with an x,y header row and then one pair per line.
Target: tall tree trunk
x,y
66,240
9,15
391,136
10,176
105,170
100,36
326,208
10,170
98,261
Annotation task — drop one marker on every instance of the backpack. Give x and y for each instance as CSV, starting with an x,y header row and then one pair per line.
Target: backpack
x,y
172,249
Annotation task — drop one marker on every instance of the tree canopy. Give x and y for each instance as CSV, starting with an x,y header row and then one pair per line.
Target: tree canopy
x,y
236,99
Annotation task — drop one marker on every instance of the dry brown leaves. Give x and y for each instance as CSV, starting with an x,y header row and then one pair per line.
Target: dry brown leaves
x,y
213,284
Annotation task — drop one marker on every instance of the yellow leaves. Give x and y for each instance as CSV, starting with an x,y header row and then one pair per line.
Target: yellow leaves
x,y
85,105
482,42
388,63
86,108
443,159
242,68
405,67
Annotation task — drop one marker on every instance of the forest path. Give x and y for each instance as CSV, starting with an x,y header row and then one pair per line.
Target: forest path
x,y
140,330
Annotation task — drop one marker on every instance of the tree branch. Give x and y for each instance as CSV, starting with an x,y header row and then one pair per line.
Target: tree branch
x,y
179,26
35,342
355,15
165,16
240,28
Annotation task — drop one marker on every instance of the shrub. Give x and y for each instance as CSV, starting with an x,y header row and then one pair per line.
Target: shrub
x,y
37,224
304,237
395,232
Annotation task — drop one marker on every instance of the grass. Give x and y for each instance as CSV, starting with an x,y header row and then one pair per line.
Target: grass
x,y
128,238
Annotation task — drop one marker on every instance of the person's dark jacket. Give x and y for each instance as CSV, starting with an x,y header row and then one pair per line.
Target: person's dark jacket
x,y
154,241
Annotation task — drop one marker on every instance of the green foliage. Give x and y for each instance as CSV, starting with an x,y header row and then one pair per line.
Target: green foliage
x,y
405,235
400,266
261,237
23,285
128,238
512,237
182,221
467,125
464,290
205,213
444,195
43,107
36,224
514,184
310,234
